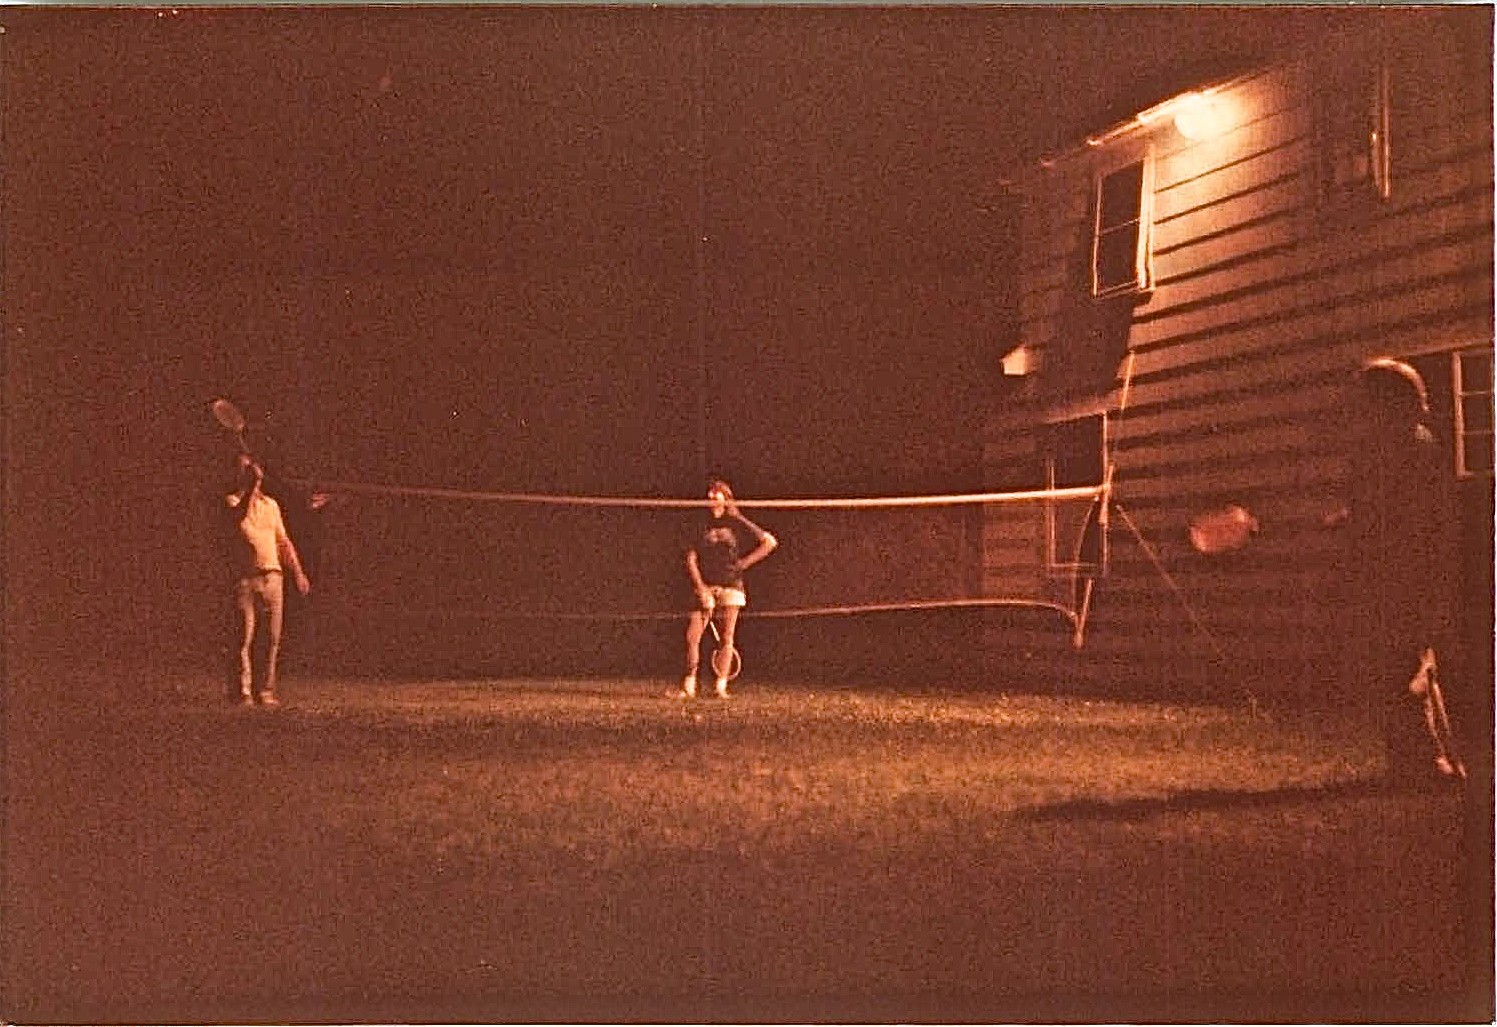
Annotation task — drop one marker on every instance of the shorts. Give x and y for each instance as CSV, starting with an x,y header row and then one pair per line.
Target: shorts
x,y
724,595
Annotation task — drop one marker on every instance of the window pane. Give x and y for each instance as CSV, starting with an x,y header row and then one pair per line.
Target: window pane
x,y
1122,195
1076,449
1476,413
1478,453
1117,258
1350,110
1476,372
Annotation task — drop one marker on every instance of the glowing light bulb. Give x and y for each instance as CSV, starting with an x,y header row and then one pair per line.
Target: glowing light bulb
x,y
1202,117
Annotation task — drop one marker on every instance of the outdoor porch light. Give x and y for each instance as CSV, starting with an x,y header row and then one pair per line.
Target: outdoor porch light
x,y
1202,116
1197,115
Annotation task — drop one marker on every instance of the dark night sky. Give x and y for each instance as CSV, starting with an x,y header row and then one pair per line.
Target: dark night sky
x,y
488,247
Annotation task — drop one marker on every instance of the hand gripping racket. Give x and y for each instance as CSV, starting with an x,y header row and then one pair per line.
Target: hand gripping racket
x,y
230,419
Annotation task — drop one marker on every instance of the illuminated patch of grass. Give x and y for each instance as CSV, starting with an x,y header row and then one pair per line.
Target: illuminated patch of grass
x,y
620,771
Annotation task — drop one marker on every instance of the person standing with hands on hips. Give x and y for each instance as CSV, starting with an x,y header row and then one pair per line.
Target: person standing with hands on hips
x,y
728,545
262,553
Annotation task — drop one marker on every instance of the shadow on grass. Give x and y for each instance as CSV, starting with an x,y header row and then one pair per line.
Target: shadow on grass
x,y
1220,799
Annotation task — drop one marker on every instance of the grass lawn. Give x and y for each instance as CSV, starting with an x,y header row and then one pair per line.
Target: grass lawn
x,y
590,850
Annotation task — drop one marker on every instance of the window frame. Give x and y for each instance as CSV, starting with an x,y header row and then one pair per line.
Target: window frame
x,y
1356,135
1143,250
1460,393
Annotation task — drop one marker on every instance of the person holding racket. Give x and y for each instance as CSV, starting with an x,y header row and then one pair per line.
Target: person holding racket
x,y
728,545
262,552
1400,514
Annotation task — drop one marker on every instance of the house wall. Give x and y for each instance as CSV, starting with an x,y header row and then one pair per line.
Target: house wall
x,y
1268,291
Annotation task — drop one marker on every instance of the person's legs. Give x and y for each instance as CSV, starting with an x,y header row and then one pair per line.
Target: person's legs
x,y
272,595
1409,748
695,625
244,605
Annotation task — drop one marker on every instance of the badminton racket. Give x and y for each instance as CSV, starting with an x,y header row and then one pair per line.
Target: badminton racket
x,y
1224,529
727,663
231,419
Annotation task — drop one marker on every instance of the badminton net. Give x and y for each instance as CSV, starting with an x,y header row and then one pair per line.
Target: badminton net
x,y
483,559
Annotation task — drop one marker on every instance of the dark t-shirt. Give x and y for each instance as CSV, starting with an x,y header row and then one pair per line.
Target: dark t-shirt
x,y
723,541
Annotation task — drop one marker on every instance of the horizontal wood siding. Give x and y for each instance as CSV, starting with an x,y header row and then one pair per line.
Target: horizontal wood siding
x,y
1012,544
1267,297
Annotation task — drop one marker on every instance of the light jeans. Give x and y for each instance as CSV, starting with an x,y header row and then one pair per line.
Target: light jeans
x,y
257,595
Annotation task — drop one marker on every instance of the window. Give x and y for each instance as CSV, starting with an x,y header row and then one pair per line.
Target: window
x,y
1354,131
1121,241
1459,384
1075,456
1471,393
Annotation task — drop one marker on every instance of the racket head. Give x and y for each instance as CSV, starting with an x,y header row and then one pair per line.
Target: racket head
x,y
1225,529
727,664
227,415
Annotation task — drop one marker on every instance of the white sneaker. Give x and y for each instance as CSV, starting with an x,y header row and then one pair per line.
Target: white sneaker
x,y
722,688
688,689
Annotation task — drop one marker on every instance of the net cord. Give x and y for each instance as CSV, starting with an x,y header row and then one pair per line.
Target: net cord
x,y
357,488
781,614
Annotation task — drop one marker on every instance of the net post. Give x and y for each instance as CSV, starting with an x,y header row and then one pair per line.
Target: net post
x,y
1078,630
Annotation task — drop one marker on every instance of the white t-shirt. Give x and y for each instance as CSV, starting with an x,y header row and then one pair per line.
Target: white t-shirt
x,y
262,530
